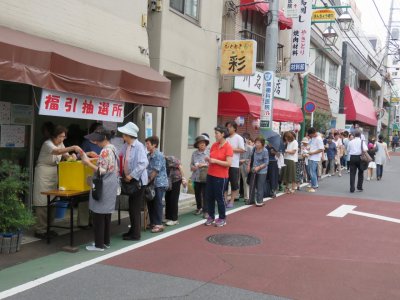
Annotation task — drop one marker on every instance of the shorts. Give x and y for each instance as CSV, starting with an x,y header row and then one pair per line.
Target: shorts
x,y
234,177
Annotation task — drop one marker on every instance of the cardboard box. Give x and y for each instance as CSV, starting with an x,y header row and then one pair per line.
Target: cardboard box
x,y
73,176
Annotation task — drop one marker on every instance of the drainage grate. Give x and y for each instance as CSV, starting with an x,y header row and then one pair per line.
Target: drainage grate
x,y
233,240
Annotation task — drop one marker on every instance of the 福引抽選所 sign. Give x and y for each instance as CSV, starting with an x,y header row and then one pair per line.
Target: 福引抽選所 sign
x,y
59,104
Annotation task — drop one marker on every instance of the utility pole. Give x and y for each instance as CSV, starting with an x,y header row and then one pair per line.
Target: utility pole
x,y
270,59
385,60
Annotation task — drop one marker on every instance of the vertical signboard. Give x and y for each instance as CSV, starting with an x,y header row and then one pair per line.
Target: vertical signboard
x,y
292,8
266,102
238,57
300,43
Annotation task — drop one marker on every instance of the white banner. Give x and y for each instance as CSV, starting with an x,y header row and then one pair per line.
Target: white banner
x,y
59,104
301,32
253,84
292,8
266,103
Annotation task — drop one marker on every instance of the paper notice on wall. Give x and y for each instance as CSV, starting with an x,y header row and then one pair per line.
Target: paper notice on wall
x,y
148,124
21,114
12,136
5,112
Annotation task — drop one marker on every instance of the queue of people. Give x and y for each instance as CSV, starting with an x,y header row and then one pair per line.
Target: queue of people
x,y
257,168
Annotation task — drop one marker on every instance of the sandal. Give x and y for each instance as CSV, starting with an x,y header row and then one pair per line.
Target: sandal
x,y
157,229
287,190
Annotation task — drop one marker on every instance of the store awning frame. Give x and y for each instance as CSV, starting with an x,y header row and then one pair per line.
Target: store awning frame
x,y
44,63
238,103
358,107
263,8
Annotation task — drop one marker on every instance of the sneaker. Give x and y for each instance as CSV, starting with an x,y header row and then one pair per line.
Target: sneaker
x,y
205,215
259,204
105,246
220,222
209,221
340,174
229,205
171,223
368,179
198,212
94,248
311,190
166,221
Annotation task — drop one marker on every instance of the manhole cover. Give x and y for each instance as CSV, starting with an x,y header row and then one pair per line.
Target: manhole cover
x,y
234,240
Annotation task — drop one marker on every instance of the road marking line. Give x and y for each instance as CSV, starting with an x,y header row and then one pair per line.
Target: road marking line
x,y
39,281
344,210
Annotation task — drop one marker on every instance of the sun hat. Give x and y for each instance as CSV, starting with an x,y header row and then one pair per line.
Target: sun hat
x,y
99,135
130,129
201,138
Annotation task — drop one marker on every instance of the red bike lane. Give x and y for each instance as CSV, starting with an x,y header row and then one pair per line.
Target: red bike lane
x,y
303,253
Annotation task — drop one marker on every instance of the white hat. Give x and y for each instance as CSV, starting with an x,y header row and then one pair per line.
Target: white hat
x,y
129,129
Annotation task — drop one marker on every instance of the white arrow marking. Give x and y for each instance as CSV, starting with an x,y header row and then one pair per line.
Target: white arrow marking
x,y
343,210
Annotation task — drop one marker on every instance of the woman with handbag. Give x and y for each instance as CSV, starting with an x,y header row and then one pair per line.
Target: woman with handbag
x,y
176,179
158,177
381,155
199,167
103,196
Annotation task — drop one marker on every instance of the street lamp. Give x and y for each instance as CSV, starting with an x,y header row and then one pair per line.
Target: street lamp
x,y
345,21
330,36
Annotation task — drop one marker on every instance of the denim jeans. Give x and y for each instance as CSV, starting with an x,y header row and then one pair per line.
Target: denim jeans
x,y
155,207
313,170
215,187
379,170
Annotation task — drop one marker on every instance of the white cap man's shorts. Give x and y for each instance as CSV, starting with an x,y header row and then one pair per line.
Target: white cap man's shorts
x,y
129,129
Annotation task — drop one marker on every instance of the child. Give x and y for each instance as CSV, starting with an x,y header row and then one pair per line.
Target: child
x,y
372,164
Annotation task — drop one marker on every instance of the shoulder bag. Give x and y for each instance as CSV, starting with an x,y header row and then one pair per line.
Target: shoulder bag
x,y
365,157
97,185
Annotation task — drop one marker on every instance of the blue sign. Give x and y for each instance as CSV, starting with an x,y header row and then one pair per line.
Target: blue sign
x,y
309,107
298,67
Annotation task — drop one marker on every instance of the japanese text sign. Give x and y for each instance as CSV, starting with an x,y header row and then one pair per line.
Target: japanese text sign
x,y
300,43
292,8
68,105
323,15
238,57
254,83
266,102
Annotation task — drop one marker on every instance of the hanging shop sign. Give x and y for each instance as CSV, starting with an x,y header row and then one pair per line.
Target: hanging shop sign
x,y
395,99
266,102
300,43
253,84
238,57
292,8
323,16
54,103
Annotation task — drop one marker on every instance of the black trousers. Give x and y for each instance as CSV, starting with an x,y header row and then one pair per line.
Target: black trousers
x,y
101,226
171,201
135,210
200,194
355,165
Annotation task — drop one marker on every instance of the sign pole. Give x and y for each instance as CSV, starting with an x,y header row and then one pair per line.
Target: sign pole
x,y
312,119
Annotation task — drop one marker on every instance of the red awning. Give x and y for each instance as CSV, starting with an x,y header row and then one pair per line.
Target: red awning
x,y
238,103
358,107
44,63
262,7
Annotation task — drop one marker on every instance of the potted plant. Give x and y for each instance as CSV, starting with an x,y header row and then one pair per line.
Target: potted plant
x,y
15,217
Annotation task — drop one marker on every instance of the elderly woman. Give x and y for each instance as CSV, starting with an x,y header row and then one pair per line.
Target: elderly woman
x,y
199,168
103,207
157,176
259,168
46,178
290,159
220,160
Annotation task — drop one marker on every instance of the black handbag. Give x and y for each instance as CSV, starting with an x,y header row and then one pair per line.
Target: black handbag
x,y
97,185
248,179
131,187
149,192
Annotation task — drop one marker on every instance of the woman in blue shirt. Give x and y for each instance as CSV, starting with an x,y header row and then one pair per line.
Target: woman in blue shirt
x,y
157,176
259,168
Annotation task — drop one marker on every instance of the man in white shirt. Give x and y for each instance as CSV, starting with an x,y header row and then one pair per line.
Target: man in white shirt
x,y
314,156
237,143
355,149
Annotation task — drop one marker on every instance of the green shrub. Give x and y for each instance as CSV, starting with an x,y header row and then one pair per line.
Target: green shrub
x,y
14,183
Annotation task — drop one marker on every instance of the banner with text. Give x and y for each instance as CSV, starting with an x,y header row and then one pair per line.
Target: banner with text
x,y
292,8
59,104
238,57
301,33
266,103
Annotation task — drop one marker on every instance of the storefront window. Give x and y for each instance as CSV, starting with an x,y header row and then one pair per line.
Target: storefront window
x,y
193,130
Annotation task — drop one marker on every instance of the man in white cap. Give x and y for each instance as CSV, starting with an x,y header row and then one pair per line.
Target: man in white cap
x,y
134,169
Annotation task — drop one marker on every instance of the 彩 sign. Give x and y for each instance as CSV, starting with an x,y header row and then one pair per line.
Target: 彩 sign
x,y
238,57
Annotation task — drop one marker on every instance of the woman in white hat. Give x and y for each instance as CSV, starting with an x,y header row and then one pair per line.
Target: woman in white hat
x,y
134,171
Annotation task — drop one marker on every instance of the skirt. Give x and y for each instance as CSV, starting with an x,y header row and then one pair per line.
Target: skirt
x,y
372,165
289,172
